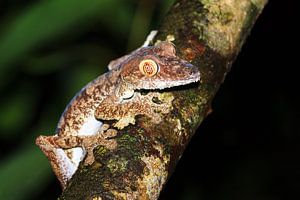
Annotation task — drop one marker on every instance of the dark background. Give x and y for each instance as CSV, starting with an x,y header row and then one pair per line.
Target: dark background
x,y
248,148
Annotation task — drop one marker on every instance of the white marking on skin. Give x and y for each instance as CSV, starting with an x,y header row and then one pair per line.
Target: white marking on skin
x,y
77,155
90,127
66,166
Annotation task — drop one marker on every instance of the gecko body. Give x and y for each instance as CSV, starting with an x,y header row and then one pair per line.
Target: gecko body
x,y
114,95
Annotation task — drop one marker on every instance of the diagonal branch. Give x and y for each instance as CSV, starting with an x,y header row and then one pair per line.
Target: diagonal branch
x,y
207,33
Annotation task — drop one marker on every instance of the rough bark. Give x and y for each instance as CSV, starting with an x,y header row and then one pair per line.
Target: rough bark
x,y
209,34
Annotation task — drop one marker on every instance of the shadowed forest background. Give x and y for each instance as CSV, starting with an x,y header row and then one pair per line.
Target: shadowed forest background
x,y
248,148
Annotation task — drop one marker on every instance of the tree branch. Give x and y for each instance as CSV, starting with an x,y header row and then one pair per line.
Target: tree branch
x,y
209,34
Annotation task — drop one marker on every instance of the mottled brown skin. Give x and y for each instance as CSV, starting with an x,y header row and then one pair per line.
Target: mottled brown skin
x,y
173,71
106,98
126,76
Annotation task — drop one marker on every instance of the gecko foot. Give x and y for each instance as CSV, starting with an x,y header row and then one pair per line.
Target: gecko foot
x,y
104,139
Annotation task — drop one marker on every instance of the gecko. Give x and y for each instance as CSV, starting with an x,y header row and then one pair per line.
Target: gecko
x,y
115,95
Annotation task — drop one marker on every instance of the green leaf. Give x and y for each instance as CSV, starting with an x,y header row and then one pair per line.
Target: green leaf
x,y
141,23
89,54
16,110
48,20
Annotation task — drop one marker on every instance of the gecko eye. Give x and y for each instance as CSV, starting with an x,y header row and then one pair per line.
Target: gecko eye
x,y
148,67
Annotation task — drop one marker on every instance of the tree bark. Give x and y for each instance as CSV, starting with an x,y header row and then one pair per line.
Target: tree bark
x,y
207,33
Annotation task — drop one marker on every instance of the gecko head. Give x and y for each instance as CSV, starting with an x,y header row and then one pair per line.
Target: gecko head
x,y
158,67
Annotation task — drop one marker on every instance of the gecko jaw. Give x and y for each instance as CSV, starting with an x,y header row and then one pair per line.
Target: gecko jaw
x,y
177,84
163,84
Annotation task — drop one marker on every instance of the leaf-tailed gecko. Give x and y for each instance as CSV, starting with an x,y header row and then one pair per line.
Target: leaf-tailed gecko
x,y
115,95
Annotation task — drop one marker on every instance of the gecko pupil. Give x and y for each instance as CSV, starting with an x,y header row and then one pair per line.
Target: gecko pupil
x,y
148,67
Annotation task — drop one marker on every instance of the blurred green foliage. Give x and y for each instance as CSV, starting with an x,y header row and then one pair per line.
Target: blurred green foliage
x,y
48,51
24,174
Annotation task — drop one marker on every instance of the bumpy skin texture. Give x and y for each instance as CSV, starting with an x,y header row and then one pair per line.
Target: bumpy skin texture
x,y
115,95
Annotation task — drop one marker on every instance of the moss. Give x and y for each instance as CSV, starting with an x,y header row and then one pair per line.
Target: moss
x,y
128,142
220,25
166,97
117,164
100,150
124,160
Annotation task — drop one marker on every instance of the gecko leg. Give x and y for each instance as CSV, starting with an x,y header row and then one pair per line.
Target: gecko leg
x,y
88,143
126,110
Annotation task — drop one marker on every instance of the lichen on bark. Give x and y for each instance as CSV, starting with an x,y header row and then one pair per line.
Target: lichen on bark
x,y
207,33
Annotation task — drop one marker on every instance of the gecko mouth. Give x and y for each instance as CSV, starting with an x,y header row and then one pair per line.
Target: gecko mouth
x,y
183,82
194,77
163,85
